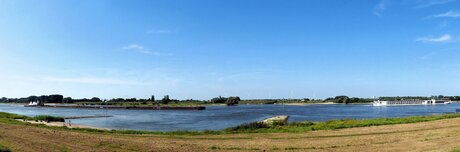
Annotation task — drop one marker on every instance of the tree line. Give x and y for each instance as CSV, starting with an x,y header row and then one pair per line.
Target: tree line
x,y
233,100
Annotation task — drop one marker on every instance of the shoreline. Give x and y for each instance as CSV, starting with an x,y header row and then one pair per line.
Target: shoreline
x,y
63,124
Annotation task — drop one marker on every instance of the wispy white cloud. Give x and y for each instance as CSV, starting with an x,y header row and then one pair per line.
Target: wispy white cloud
x,y
428,3
441,39
379,8
143,50
161,31
449,14
138,48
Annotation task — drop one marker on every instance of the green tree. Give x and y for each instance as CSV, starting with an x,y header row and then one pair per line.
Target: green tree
x,y
67,100
32,98
219,100
55,98
232,101
342,99
165,99
96,99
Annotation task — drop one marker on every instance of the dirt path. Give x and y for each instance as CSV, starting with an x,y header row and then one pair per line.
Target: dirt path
x,y
441,135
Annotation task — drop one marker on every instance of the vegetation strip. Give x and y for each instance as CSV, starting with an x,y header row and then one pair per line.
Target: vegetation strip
x,y
36,118
4,149
255,127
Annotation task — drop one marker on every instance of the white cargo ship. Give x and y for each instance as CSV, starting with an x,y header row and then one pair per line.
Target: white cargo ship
x,y
410,102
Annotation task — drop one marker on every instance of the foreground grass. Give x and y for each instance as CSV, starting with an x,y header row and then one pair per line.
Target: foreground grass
x,y
4,149
255,127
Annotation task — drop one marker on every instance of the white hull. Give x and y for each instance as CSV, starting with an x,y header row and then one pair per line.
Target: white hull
x,y
410,102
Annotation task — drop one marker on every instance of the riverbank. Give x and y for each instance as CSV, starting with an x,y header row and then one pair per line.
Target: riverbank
x,y
438,135
61,124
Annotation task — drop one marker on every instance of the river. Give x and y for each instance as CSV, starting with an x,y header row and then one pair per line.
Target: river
x,y
220,117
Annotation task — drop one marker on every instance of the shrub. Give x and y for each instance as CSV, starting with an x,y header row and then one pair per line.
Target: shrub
x,y
165,99
232,101
48,118
218,100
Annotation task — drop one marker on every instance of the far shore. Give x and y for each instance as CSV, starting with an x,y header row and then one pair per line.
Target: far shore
x,y
302,104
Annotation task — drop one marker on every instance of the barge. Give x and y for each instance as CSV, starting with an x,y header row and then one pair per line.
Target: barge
x,y
410,102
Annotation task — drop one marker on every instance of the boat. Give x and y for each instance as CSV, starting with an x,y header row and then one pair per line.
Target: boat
x,y
32,104
410,102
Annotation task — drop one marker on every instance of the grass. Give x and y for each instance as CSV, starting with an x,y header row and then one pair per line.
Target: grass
x,y
295,127
4,149
10,116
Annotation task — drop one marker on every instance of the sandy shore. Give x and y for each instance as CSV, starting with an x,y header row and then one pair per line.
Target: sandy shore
x,y
61,124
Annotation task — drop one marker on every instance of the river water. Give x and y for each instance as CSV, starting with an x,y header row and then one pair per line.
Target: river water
x,y
220,117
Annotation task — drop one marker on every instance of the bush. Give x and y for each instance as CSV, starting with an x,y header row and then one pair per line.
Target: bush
x,y
165,100
232,101
48,118
218,100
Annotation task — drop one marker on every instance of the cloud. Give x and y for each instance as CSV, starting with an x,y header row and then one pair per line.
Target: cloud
x,y
143,50
441,39
428,3
449,14
138,48
379,8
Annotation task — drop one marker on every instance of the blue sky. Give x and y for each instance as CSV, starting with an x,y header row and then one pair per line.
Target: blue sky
x,y
252,49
